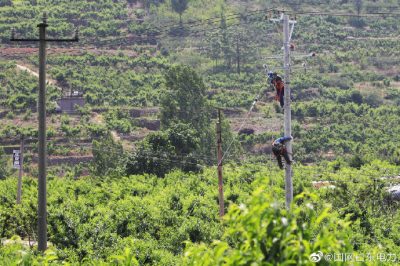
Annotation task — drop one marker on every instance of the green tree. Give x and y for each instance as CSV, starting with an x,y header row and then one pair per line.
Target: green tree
x,y
373,100
358,4
214,47
108,156
226,41
153,156
5,3
356,161
356,97
3,164
163,151
183,138
185,100
179,6
242,49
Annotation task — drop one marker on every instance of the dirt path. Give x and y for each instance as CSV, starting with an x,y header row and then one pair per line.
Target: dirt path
x,y
36,74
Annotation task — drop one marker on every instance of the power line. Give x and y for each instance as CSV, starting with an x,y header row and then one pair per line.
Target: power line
x,y
317,171
145,152
230,16
226,153
192,24
370,14
155,37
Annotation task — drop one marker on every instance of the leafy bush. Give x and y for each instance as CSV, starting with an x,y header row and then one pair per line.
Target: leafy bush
x,y
264,233
176,148
3,164
108,156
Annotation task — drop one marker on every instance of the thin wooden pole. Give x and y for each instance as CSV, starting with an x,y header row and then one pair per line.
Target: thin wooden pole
x,y
220,180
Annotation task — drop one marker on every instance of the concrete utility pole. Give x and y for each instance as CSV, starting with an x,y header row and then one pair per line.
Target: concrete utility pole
x,y
42,197
287,108
20,172
220,180
287,35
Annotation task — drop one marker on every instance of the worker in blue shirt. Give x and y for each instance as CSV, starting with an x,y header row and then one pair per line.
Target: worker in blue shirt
x,y
279,150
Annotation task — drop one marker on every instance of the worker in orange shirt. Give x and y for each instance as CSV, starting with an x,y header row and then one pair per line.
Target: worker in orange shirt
x,y
279,85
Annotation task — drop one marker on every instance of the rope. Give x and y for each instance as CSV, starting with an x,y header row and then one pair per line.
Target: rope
x,y
226,153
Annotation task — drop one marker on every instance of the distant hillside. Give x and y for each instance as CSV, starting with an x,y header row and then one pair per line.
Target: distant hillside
x,y
125,48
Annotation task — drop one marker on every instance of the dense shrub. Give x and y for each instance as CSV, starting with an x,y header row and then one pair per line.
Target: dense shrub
x,y
261,232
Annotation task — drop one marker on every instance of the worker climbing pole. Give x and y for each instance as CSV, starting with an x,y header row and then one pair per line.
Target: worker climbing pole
x,y
279,86
279,150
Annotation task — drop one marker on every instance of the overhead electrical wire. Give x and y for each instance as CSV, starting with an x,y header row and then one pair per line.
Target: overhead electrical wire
x,y
165,30
296,13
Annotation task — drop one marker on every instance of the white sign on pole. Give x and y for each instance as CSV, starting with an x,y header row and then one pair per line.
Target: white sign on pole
x,y
16,159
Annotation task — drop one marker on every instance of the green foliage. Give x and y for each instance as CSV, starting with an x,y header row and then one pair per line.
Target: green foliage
x,y
93,220
356,97
152,156
147,219
231,46
3,164
373,100
356,161
179,6
111,80
350,129
107,156
97,130
5,3
184,101
119,121
130,74
17,254
126,259
264,233
177,147
68,129
357,22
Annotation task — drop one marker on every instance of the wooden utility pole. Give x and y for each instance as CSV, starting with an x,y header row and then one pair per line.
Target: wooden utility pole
x,y
20,172
219,155
42,152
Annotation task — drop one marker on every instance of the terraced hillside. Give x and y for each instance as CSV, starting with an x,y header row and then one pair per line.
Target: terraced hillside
x,y
354,67
133,169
